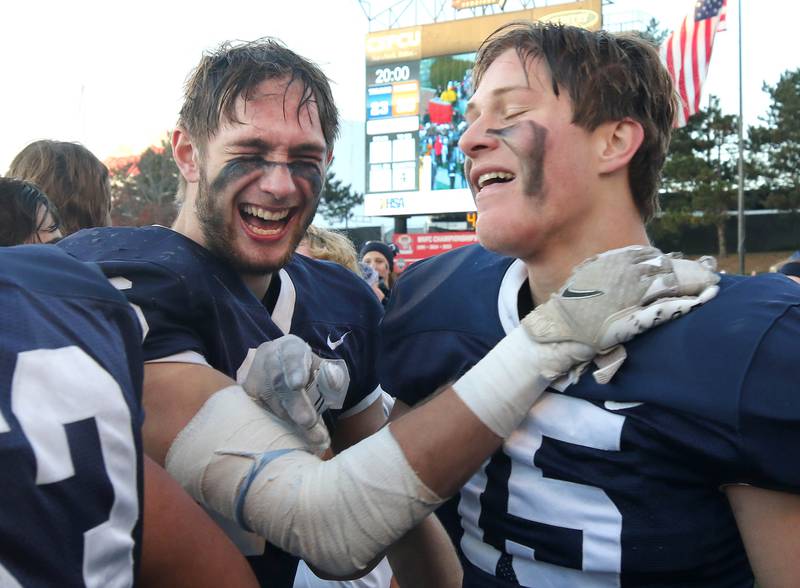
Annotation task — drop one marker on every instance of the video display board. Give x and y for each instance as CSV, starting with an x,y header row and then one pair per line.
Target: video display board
x,y
418,82
445,87
392,127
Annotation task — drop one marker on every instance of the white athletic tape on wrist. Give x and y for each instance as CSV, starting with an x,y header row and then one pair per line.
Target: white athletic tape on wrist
x,y
338,515
501,388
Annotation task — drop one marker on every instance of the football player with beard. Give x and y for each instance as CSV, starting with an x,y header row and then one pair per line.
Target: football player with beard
x,y
254,137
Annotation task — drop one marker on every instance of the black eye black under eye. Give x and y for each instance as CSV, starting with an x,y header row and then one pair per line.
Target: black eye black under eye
x,y
235,169
244,164
248,159
304,167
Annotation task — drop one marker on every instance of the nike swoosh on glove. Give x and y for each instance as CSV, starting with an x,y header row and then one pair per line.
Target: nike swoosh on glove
x,y
614,296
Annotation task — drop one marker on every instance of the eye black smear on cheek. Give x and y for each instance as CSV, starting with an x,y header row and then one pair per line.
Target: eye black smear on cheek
x,y
234,170
527,141
238,168
310,173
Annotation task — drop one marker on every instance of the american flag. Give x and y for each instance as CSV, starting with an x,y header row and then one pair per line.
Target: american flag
x,y
687,52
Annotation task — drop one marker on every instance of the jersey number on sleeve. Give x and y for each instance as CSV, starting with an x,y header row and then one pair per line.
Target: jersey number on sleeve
x,y
54,387
540,531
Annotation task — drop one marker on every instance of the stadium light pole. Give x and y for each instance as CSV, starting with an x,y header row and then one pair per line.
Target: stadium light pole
x,y
740,215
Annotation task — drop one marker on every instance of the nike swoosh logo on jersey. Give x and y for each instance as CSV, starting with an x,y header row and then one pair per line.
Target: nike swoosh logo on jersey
x,y
334,344
570,293
614,405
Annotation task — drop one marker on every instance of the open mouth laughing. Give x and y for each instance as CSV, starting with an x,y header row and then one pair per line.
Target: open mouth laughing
x,y
485,177
494,177
263,222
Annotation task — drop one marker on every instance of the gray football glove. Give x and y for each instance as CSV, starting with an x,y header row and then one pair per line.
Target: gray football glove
x,y
297,385
614,296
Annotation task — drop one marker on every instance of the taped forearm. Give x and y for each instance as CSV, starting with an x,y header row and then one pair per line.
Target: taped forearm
x,y
338,515
342,513
501,388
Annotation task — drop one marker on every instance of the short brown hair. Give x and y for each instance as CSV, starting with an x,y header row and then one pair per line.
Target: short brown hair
x,y
608,77
235,69
73,179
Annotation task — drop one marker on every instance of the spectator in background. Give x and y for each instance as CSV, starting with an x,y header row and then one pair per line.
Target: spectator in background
x,y
449,95
321,243
380,257
329,245
372,279
26,214
72,177
438,148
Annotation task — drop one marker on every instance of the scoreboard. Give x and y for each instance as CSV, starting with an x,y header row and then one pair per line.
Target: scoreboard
x,y
392,125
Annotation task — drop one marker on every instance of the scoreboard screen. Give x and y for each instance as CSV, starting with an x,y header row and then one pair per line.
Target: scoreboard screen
x,y
415,117
392,125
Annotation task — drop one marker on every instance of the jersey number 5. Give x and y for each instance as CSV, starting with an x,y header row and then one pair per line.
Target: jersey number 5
x,y
537,530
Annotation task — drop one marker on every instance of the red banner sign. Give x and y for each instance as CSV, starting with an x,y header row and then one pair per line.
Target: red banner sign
x,y
412,247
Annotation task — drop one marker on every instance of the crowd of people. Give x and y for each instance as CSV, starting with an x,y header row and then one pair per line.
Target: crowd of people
x,y
439,134
576,407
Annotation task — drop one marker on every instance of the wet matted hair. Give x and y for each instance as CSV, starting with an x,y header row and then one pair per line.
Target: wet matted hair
x,y
608,77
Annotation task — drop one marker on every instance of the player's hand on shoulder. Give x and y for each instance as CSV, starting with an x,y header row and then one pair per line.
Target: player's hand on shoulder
x,y
614,296
296,385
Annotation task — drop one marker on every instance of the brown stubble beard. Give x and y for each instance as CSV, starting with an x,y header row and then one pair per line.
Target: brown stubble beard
x,y
209,212
219,238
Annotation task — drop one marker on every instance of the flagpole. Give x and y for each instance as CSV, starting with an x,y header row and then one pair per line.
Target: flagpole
x,y
740,247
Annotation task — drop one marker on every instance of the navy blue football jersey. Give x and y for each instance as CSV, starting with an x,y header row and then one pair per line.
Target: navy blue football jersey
x,y
197,308
70,420
615,485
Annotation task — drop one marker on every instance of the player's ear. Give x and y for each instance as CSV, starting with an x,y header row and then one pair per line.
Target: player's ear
x,y
618,143
186,155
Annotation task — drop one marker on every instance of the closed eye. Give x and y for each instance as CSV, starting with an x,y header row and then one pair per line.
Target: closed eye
x,y
511,114
246,159
305,166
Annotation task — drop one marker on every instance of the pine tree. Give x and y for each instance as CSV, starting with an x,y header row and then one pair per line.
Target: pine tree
x,y
701,171
338,200
776,145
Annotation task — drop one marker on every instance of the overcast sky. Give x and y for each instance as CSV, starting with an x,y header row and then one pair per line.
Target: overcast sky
x,y
110,74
